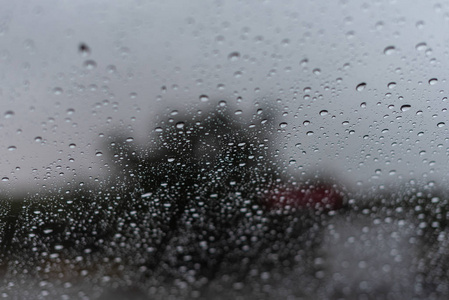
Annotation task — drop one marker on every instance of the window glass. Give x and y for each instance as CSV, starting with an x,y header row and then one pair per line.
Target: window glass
x,y
224,149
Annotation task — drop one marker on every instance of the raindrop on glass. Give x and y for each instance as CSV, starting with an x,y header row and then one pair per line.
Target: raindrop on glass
x,y
433,81
389,50
233,56
392,85
405,107
204,98
360,87
9,114
84,50
90,64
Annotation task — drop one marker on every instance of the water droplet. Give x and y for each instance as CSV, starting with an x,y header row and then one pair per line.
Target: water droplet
x,y
361,86
84,50
70,111
421,46
171,159
392,85
283,125
90,64
441,124
233,56
433,81
323,112
420,24
389,50
98,153
57,91
309,133
180,125
316,71
5,179
130,139
204,98
72,146
405,107
222,103
38,139
306,122
363,104
9,114
12,148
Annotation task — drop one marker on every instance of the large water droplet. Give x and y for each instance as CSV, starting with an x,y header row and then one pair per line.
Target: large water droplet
x,y
323,112
204,98
12,148
283,125
405,107
389,50
361,86
441,124
433,81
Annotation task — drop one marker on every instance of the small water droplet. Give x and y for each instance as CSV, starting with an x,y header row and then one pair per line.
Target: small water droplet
x,y
38,139
98,153
421,46
180,125
420,24
433,81
306,122
222,103
90,64
130,139
204,98
309,133
171,159
405,107
70,111
9,114
441,124
12,148
316,71
283,124
361,86
5,179
57,91
233,56
323,112
84,50
72,145
389,50
392,85
363,104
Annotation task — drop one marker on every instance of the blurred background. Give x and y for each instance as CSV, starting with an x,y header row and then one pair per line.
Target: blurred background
x,y
220,149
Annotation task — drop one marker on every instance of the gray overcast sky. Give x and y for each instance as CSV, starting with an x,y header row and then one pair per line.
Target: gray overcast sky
x,y
154,57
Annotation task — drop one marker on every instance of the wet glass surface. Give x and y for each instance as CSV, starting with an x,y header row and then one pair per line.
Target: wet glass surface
x,y
224,150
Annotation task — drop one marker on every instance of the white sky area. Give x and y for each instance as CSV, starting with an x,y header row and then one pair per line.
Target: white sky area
x,y
139,47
